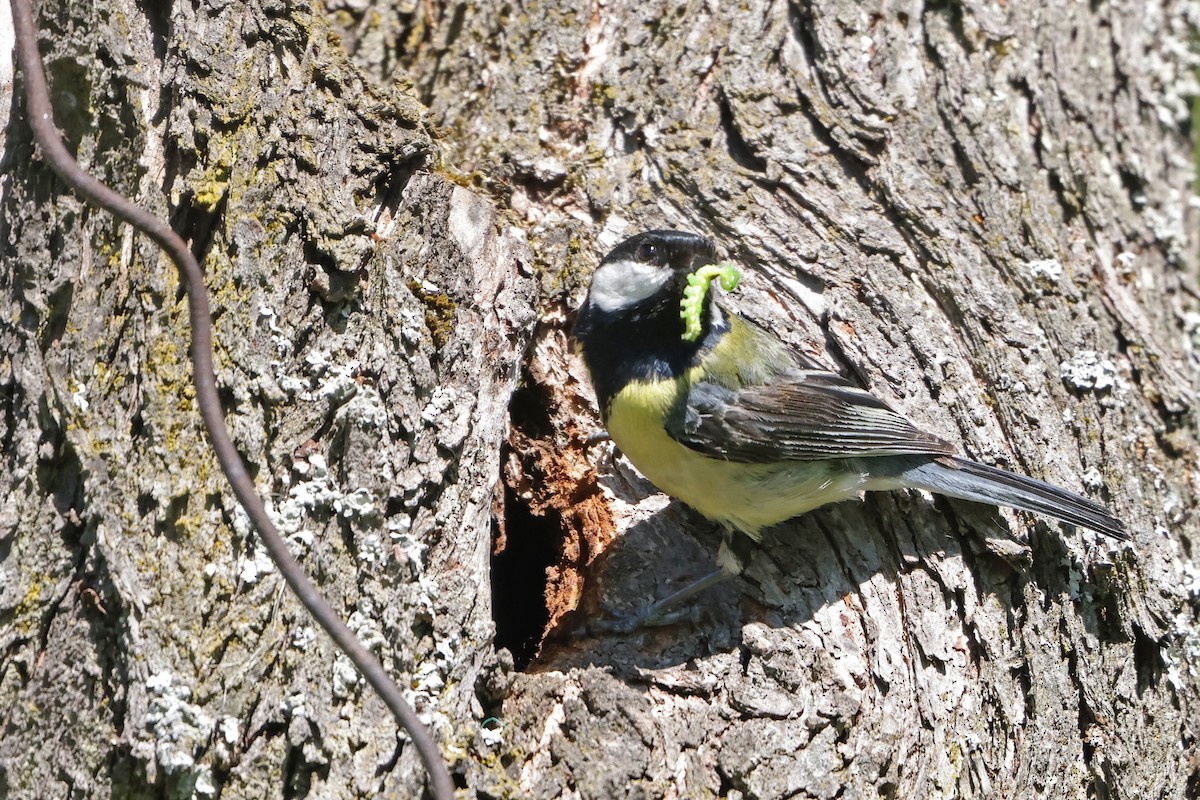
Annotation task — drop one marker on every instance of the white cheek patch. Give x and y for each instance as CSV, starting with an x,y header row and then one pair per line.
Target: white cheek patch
x,y
621,284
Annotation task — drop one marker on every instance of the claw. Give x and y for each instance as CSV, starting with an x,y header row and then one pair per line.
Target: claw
x,y
658,614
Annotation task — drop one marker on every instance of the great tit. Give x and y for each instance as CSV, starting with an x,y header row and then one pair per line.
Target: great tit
x,y
747,430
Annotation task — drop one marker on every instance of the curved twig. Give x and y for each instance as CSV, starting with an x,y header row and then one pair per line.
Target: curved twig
x,y
55,153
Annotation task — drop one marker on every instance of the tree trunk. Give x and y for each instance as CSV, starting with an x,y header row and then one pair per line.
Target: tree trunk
x,y
370,315
984,213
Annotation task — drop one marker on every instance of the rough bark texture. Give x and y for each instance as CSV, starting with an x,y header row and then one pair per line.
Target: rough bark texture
x,y
984,212
369,321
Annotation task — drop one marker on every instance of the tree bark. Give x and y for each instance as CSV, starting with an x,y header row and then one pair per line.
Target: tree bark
x,y
984,213
369,319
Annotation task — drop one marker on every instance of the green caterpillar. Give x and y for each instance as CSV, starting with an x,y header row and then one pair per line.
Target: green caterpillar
x,y
697,288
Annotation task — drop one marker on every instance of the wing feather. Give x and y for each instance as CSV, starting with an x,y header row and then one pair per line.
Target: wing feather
x,y
803,416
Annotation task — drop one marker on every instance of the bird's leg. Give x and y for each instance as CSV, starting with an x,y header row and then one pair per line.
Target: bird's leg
x,y
660,613
732,557
595,438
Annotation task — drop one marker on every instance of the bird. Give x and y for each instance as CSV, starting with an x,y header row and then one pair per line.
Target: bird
x,y
721,414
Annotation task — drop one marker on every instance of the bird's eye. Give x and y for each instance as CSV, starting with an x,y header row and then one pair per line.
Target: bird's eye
x,y
650,253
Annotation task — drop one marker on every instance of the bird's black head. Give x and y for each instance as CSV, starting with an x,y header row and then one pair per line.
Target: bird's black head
x,y
629,325
642,281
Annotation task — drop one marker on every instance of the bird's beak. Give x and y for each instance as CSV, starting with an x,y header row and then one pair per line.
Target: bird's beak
x,y
703,254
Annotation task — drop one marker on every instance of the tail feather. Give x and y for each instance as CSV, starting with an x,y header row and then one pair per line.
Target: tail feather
x,y
968,480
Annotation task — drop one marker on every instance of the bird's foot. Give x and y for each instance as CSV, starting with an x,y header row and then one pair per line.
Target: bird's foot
x,y
660,613
649,617
595,438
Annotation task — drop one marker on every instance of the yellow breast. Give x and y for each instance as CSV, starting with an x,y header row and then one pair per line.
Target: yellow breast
x,y
748,497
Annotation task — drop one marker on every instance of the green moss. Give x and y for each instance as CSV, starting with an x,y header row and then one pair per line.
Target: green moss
x,y
1196,126
439,313
213,184
30,600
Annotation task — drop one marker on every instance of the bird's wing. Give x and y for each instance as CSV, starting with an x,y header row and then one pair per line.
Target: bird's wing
x,y
804,416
